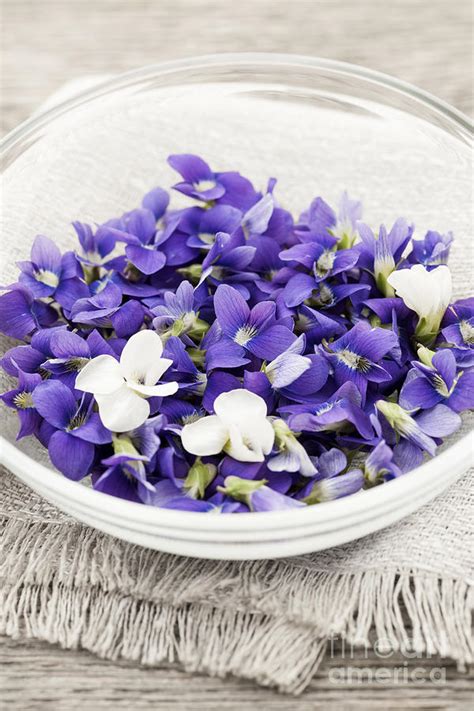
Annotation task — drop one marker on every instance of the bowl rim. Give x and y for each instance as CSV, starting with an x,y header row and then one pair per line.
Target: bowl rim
x,y
459,452
270,59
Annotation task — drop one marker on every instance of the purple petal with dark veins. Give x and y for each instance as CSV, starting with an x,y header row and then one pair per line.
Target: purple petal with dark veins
x,y
72,456
55,402
231,309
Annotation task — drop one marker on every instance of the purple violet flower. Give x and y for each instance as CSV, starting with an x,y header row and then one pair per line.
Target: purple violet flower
x,y
125,476
47,268
77,428
356,356
436,380
257,496
336,413
20,399
21,314
330,483
255,329
202,225
200,182
458,330
422,429
105,309
432,250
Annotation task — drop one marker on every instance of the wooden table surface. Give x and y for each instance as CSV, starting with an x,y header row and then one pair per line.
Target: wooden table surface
x,y
46,43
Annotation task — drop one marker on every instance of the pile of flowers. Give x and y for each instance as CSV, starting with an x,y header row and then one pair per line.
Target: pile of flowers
x,y
225,357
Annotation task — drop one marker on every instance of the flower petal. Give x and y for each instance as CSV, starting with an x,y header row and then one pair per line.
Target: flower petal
x,y
231,309
93,431
271,343
266,499
45,254
16,319
192,168
248,448
148,261
122,410
205,437
438,422
128,318
141,358
72,456
256,219
55,402
463,395
418,392
237,406
161,390
102,375
298,289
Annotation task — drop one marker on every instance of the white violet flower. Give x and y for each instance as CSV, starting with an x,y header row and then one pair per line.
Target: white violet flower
x,y
428,293
121,388
239,427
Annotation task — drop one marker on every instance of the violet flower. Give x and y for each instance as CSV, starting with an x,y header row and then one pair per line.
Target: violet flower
x,y
255,329
200,182
21,400
317,325
47,268
291,456
432,250
125,476
105,309
178,315
339,411
330,483
323,261
139,235
121,388
202,226
379,465
356,356
381,253
228,256
458,330
77,429
422,429
257,496
239,427
21,314
323,295
70,353
428,293
435,380
96,246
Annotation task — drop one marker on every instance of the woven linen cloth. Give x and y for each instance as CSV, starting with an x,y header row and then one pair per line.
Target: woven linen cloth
x,y
410,585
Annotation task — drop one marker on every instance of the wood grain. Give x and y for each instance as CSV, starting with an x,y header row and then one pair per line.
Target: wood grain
x,y
35,675
45,44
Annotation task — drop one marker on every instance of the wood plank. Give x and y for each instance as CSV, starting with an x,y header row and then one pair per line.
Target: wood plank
x,y
35,675
47,43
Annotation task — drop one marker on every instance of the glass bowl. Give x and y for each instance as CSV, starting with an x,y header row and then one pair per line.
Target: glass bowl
x,y
318,126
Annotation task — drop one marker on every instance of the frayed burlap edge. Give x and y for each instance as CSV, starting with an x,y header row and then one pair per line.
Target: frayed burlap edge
x,y
82,589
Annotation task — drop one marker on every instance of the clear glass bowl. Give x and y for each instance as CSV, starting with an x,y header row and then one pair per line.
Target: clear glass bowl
x,y
319,127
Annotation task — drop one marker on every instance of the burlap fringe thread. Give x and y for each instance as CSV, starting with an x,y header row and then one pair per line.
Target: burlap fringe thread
x,y
266,621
